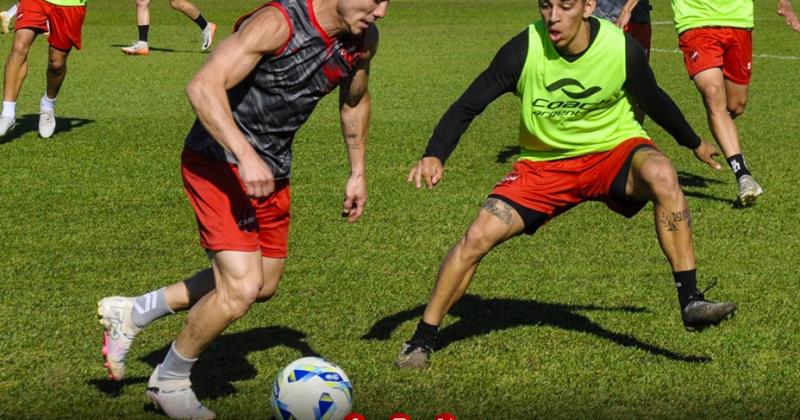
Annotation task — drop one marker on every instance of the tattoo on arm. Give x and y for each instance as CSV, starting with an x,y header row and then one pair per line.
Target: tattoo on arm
x,y
499,209
677,220
351,135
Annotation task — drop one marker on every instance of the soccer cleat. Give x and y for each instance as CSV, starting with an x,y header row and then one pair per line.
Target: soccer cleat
x,y
749,190
138,48
700,313
176,398
115,316
47,122
6,124
413,356
208,36
5,20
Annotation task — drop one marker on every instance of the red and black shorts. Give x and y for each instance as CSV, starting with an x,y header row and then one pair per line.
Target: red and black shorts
x,y
541,190
65,22
230,220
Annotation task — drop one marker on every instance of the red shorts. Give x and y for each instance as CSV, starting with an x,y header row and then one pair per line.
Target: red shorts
x,y
555,186
728,48
65,22
641,32
228,219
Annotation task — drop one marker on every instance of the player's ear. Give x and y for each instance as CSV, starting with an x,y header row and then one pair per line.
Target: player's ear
x,y
588,8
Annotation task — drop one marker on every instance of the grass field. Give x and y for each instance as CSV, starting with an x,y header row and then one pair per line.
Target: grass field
x,y
577,321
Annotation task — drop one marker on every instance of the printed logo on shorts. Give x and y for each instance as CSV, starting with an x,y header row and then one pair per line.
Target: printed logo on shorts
x,y
749,65
694,56
247,220
508,179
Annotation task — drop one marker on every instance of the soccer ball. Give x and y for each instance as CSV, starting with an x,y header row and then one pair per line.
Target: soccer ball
x,y
311,388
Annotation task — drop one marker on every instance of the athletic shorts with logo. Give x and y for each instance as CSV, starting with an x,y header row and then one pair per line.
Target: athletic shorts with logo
x,y
555,186
230,220
65,22
730,49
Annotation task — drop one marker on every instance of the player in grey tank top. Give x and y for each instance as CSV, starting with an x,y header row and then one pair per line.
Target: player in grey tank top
x,y
251,96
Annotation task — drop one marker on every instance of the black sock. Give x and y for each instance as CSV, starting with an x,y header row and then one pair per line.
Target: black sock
x,y
425,335
686,283
143,30
738,165
201,21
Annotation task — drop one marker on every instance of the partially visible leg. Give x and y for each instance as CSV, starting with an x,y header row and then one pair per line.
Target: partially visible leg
x,y
15,72
712,87
652,177
724,101
124,317
238,280
140,47
56,73
192,12
496,222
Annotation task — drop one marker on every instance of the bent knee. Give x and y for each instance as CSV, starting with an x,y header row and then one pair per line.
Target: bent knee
x,y
476,243
237,300
662,179
736,109
268,291
176,4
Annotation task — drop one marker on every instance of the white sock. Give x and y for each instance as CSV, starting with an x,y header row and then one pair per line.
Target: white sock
x,y
12,11
47,103
9,109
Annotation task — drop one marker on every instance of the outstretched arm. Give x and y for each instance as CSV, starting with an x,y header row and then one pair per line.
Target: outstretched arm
x,y
354,112
265,32
500,77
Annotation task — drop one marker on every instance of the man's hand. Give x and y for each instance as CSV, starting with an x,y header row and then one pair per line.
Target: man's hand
x,y
706,152
623,18
785,10
355,198
256,176
428,169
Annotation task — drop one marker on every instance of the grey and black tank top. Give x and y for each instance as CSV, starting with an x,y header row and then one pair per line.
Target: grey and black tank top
x,y
278,96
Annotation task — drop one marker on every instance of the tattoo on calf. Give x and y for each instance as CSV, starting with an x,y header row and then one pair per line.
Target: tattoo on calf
x,y
499,209
676,220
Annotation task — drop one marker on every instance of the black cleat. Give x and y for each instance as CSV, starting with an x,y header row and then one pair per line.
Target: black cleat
x,y
413,356
700,313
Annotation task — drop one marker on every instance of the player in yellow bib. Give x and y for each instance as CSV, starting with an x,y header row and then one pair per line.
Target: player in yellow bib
x,y
64,20
579,142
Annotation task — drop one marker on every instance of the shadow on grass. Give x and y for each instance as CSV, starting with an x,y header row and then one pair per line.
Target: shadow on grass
x,y
157,49
481,316
222,363
30,122
506,154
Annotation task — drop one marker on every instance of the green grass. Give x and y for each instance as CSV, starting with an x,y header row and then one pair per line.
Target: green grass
x,y
577,321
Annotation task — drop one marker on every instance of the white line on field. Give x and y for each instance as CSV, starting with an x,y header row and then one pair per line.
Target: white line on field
x,y
777,57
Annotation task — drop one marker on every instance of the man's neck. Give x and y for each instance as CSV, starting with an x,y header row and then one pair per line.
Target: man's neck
x,y
581,41
328,16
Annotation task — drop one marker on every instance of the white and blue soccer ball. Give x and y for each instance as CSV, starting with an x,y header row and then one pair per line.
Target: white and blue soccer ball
x,y
311,388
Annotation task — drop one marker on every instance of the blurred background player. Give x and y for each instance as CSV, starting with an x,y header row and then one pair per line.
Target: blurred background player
x,y
140,47
633,17
716,37
65,17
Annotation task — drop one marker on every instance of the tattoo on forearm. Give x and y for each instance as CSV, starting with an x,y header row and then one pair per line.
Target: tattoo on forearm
x,y
351,133
499,209
676,220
